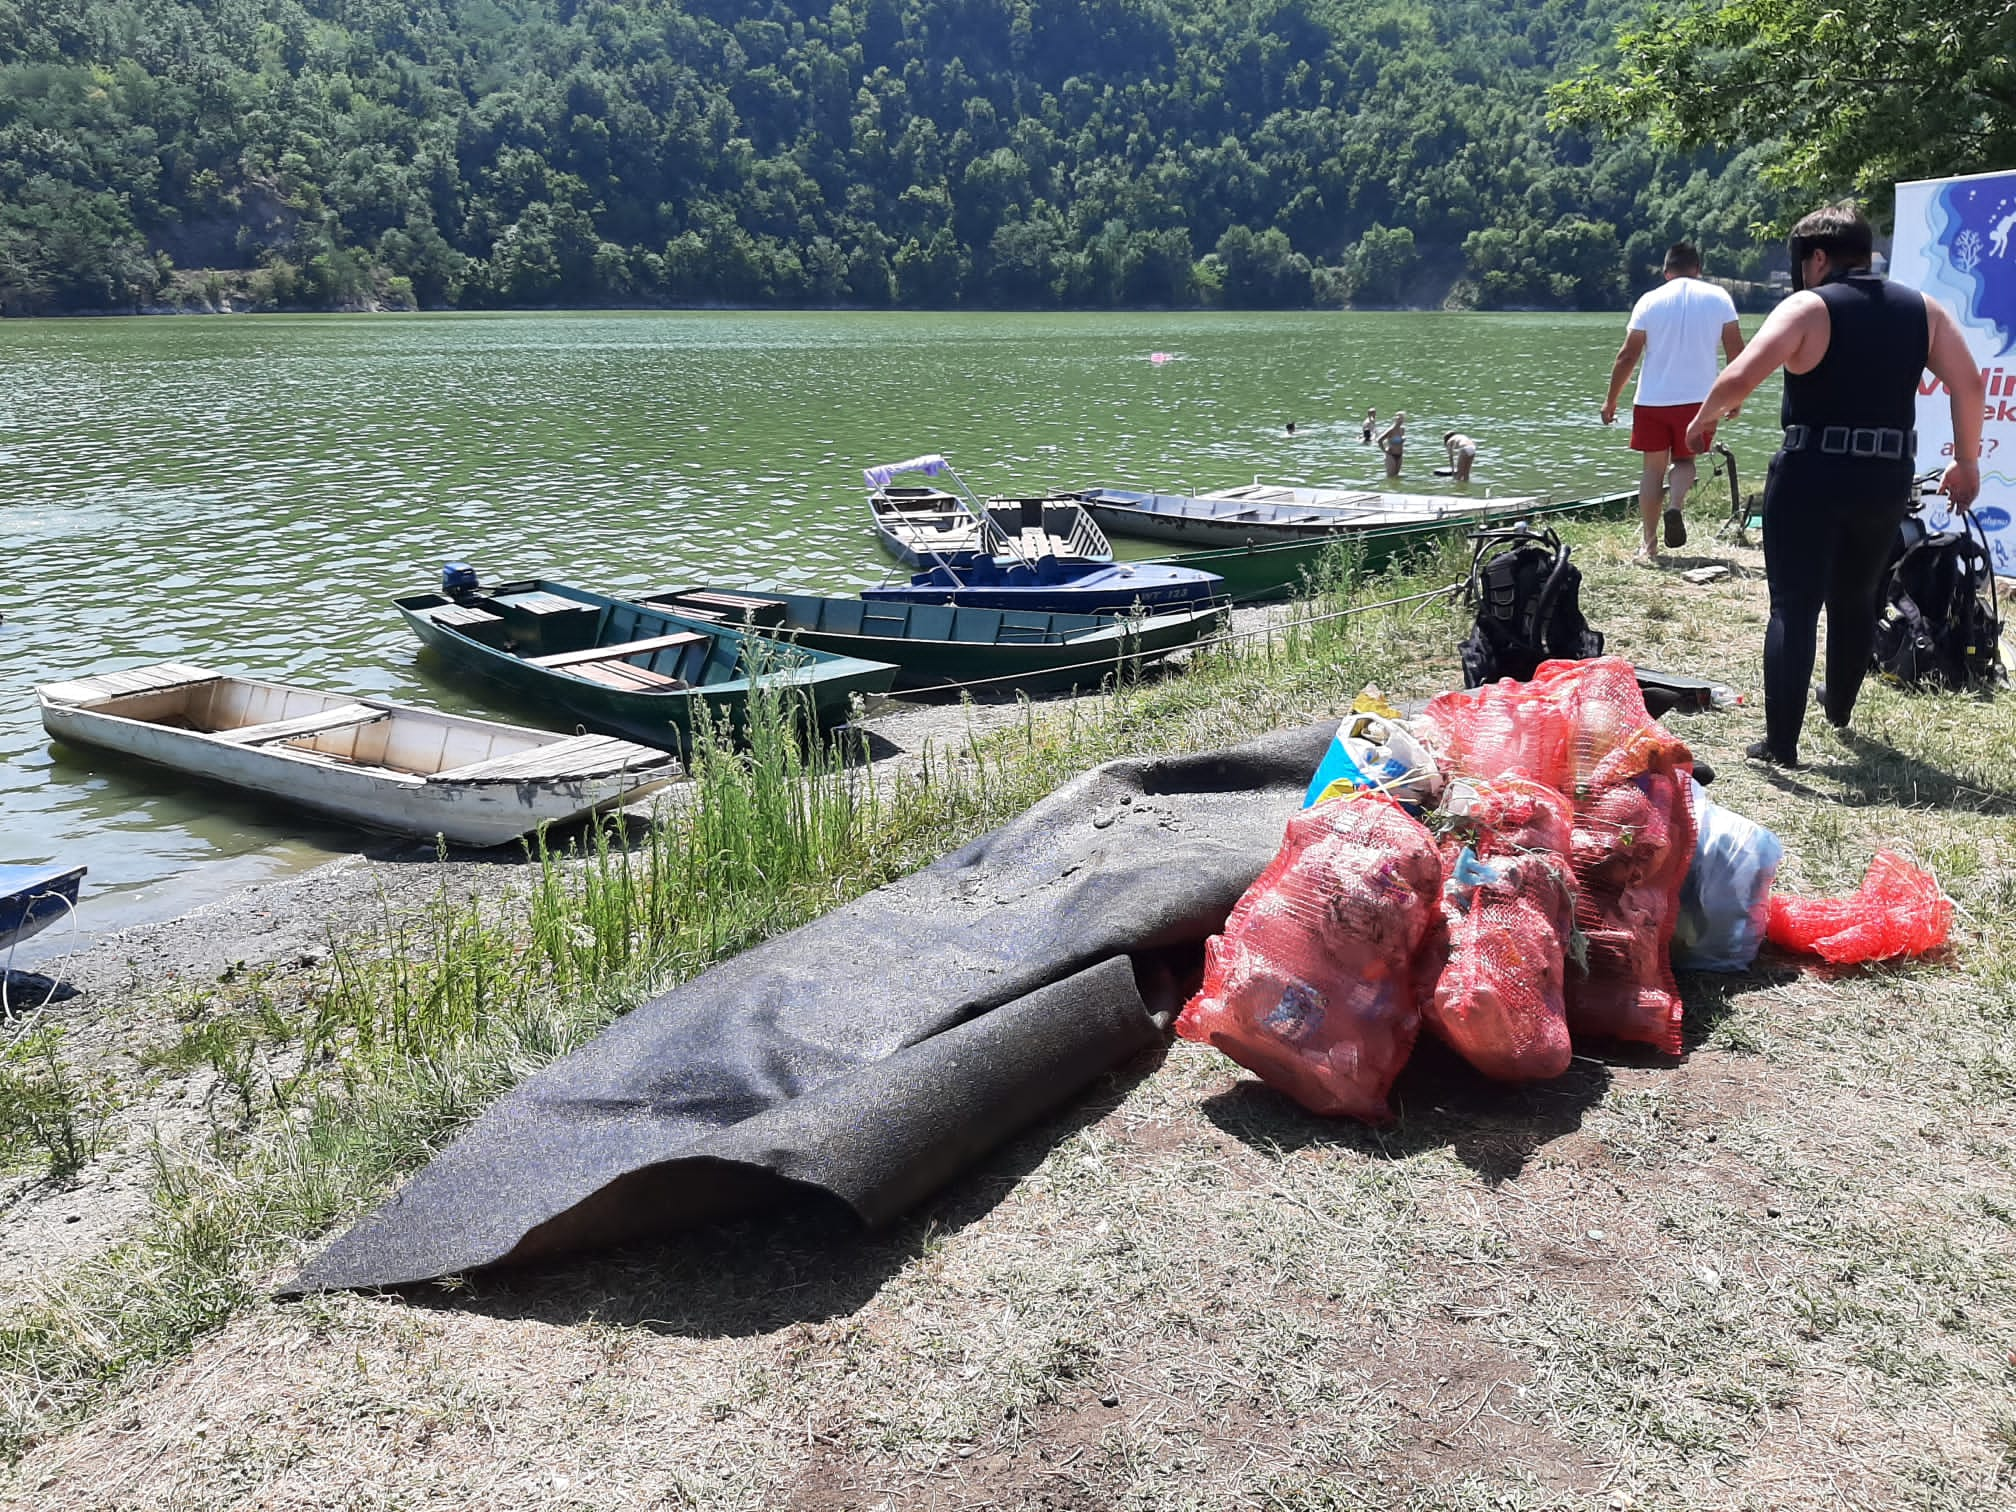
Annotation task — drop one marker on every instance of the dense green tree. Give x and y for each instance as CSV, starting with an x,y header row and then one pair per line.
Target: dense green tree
x,y
926,152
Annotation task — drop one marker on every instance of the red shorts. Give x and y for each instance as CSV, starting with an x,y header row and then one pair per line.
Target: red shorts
x,y
1663,427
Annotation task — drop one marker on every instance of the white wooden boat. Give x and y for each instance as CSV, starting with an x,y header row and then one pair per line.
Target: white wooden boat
x,y
383,765
924,526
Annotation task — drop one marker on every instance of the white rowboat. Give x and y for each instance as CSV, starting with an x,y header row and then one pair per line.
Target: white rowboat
x,y
383,765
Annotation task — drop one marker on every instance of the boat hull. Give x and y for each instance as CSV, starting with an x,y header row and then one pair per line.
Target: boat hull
x,y
1114,589
475,813
34,897
1260,572
667,718
932,645
1210,522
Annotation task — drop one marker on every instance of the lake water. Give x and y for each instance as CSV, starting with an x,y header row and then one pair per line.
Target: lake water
x,y
247,492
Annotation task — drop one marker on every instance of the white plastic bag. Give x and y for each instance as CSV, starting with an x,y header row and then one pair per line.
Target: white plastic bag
x,y
1726,899
1371,751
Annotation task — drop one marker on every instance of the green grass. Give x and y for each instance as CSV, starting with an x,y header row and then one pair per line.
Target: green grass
x,y
317,1106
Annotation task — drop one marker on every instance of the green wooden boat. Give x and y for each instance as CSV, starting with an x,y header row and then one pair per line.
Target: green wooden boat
x,y
936,644
622,668
1256,573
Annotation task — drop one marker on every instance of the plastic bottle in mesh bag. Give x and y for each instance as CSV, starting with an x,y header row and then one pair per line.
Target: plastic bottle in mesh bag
x,y
1312,985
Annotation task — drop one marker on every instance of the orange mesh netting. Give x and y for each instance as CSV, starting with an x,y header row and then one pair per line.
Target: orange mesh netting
x,y
1582,727
1312,984
1897,911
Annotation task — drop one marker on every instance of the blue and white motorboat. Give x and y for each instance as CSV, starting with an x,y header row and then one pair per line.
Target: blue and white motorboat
x,y
986,565
923,526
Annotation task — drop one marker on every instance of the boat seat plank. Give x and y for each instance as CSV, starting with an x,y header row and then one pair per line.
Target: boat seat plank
x,y
461,616
155,679
539,602
342,717
572,659
623,676
576,756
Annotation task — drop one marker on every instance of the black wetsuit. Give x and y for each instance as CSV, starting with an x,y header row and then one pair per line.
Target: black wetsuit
x,y
1830,521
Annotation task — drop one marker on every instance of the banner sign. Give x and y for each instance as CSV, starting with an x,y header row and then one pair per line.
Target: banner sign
x,y
1956,240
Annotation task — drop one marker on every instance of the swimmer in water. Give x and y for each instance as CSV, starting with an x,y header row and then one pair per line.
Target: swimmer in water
x,y
1371,424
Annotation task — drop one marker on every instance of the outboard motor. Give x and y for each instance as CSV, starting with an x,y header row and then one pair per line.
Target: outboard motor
x,y
458,579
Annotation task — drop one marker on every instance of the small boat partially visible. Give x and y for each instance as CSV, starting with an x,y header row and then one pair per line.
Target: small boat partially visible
x,y
635,670
382,765
1263,514
34,897
935,644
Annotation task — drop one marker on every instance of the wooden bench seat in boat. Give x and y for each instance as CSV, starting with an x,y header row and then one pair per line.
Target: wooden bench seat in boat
x,y
576,756
625,677
463,616
739,608
343,717
573,660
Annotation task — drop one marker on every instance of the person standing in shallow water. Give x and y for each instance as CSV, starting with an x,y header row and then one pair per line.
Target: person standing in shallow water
x,y
1674,329
1462,454
1853,347
1392,442
1371,425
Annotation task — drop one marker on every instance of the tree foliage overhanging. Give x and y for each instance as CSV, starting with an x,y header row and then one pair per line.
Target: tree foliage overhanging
x,y
1022,153
1851,94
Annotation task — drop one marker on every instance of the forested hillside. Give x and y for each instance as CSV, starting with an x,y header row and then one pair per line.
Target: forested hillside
x,y
917,152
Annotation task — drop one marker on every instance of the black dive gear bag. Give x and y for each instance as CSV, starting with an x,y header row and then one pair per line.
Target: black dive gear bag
x,y
1939,617
1527,595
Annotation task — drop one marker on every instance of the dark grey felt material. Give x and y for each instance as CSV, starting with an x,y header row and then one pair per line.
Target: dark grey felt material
x,y
872,1053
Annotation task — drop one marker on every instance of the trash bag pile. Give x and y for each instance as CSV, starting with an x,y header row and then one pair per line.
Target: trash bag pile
x,y
1521,865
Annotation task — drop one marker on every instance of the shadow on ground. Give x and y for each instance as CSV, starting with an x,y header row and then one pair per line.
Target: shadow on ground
x,y
808,1260
1494,1128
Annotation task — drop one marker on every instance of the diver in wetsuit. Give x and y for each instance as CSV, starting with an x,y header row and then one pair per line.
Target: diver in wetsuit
x,y
1853,347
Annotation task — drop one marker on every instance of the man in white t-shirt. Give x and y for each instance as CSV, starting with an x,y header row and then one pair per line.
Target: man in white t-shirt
x,y
1676,329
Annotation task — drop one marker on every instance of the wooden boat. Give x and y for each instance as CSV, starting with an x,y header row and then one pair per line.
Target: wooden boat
x,y
934,644
921,526
1052,586
1256,573
1264,514
383,765
34,897
627,669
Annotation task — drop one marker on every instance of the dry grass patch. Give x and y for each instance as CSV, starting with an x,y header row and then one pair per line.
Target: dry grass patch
x,y
1779,1274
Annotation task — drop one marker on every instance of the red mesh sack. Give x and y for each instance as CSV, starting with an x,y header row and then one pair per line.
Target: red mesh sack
x,y
1502,728
1583,724
1498,1001
1897,911
1312,984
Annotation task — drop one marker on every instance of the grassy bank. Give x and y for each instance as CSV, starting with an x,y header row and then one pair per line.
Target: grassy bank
x,y
1778,1274
320,1094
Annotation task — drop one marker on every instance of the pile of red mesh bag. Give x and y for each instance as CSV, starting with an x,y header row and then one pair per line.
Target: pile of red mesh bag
x,y
1509,909
1897,911
1313,984
1581,728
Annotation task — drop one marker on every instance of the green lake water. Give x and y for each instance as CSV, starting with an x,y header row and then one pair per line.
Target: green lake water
x,y
247,492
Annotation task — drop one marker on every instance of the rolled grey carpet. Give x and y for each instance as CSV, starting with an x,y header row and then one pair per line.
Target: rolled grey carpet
x,y
873,1053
